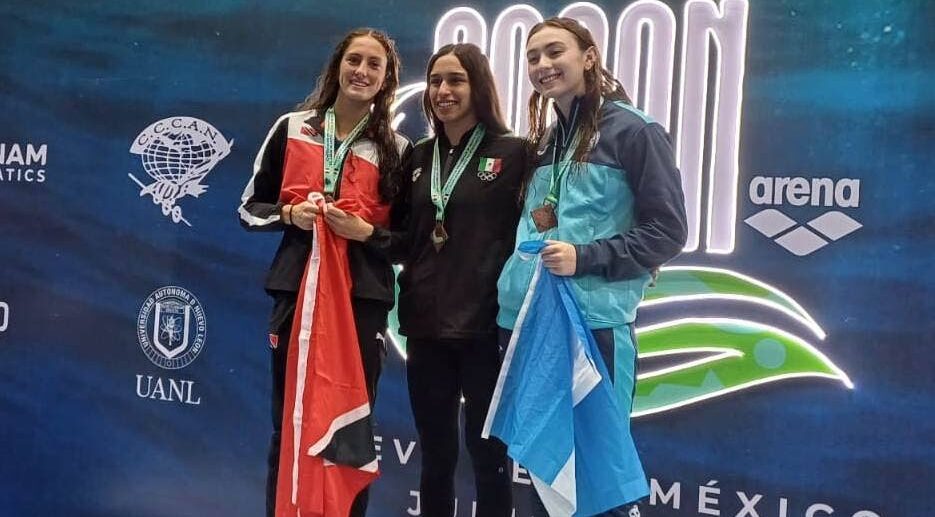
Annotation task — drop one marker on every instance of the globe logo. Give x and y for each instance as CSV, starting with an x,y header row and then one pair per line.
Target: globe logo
x,y
178,153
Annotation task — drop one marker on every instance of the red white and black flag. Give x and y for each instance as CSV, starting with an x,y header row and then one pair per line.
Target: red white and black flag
x,y
327,455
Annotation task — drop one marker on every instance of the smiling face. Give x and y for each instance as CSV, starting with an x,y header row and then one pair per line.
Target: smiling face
x,y
557,64
363,70
450,92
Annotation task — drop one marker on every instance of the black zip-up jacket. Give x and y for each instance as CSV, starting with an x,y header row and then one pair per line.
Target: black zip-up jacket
x,y
295,141
452,293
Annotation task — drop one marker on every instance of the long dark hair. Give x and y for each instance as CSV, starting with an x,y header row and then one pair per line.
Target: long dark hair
x,y
599,82
378,128
484,98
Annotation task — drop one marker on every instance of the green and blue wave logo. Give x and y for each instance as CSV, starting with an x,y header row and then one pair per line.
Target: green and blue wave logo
x,y
713,357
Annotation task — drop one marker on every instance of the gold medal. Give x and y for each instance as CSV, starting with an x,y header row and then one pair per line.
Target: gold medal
x,y
544,217
439,236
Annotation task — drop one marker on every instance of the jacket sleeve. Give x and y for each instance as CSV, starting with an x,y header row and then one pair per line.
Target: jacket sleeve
x,y
394,241
260,206
660,230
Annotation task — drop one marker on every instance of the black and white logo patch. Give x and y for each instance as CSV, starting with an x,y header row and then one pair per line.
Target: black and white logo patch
x,y
171,327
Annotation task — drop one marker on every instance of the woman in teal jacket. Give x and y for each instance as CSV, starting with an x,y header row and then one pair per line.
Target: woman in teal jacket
x,y
606,197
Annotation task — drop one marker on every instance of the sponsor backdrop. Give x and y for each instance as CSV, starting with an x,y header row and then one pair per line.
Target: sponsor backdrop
x,y
785,361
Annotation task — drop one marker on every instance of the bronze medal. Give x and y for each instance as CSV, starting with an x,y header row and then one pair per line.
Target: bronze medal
x,y
439,236
544,217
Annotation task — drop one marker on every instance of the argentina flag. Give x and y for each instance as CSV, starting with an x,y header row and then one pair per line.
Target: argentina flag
x,y
555,409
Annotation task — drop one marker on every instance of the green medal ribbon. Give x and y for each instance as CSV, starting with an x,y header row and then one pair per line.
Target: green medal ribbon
x,y
560,168
335,159
440,196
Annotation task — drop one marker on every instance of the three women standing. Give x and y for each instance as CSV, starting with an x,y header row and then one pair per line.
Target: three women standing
x,y
605,196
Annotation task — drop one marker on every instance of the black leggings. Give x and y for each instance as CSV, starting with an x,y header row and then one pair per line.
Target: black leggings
x,y
439,373
370,320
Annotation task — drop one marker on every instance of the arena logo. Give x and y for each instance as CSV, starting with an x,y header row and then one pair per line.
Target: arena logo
x,y
712,357
818,232
178,153
171,329
23,163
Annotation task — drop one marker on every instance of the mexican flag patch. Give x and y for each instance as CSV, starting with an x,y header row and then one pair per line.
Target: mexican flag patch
x,y
489,165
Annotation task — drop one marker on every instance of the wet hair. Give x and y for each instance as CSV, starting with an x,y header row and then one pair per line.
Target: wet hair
x,y
484,99
599,82
378,128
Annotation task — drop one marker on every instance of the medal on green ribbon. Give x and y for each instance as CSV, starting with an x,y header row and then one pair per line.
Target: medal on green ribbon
x,y
544,217
440,194
334,158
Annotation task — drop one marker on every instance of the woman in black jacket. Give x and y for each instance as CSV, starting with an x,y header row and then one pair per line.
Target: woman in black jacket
x,y
460,213
339,142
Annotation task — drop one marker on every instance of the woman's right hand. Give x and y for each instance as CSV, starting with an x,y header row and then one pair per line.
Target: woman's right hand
x,y
349,226
304,215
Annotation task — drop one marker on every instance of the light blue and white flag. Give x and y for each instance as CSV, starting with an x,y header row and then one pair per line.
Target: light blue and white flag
x,y
555,409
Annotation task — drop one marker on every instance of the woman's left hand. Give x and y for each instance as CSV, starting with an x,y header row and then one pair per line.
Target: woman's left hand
x,y
347,225
560,258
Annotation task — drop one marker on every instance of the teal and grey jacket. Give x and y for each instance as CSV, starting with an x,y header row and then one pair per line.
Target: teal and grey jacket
x,y
623,209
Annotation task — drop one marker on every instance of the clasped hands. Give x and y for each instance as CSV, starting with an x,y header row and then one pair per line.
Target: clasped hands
x,y
343,224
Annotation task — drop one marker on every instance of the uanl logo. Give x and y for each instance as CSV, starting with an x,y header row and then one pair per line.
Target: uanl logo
x,y
704,357
786,194
171,330
177,153
23,163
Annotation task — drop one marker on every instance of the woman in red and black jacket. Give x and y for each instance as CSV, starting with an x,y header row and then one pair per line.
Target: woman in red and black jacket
x,y
339,143
461,208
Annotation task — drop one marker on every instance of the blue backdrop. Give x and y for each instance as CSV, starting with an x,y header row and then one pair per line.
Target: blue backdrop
x,y
89,425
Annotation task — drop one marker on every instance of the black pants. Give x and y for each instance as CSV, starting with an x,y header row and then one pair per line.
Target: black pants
x,y
440,372
605,345
370,320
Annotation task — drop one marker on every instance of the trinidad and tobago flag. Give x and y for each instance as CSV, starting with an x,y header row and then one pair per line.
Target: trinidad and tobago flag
x,y
327,455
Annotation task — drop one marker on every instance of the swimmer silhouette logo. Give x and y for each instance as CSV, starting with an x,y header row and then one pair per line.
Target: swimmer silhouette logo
x,y
714,356
177,153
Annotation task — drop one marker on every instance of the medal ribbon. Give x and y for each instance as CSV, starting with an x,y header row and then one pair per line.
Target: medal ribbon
x,y
560,168
334,159
440,196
